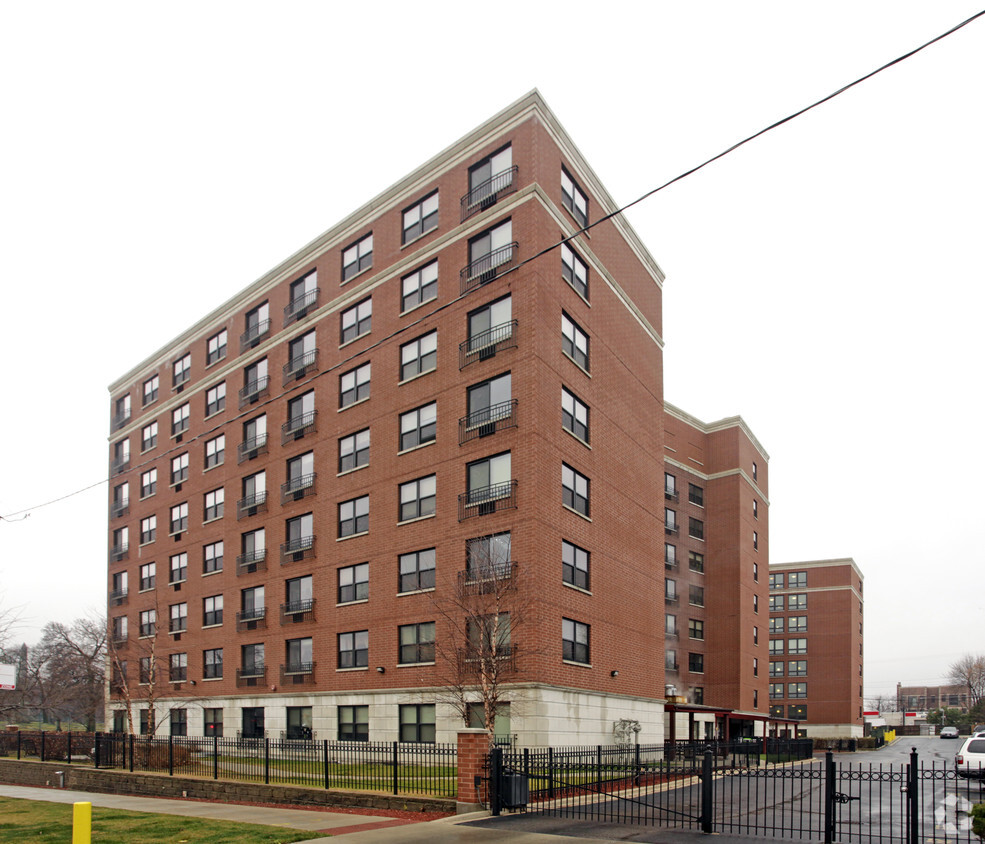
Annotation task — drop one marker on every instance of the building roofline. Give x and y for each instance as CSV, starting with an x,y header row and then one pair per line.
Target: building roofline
x,y
720,425
819,564
531,104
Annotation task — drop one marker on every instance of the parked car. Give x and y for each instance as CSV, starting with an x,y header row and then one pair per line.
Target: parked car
x,y
949,732
970,759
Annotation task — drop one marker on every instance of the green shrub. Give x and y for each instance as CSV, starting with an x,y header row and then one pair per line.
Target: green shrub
x,y
978,820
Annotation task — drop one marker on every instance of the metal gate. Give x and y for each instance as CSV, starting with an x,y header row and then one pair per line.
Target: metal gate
x,y
715,790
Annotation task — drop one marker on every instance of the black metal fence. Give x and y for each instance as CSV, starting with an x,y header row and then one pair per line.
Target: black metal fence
x,y
69,746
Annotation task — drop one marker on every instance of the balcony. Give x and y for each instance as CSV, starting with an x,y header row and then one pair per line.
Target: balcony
x,y
671,495
487,579
671,529
296,611
486,194
670,599
120,464
251,561
487,500
297,426
670,564
485,268
251,619
301,306
473,661
297,673
486,344
118,597
253,335
120,419
297,488
296,368
119,508
295,550
119,638
253,447
251,675
253,391
485,422
119,552
250,505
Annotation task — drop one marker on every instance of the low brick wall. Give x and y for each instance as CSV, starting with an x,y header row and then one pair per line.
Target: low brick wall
x,y
83,778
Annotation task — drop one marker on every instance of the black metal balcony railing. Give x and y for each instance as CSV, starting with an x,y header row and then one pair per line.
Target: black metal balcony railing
x,y
297,426
670,564
486,500
473,660
300,306
485,268
671,495
119,420
485,344
484,195
120,465
118,597
251,619
294,611
486,578
120,508
295,550
670,599
671,529
251,561
297,672
296,368
251,675
253,447
253,391
297,488
487,421
120,552
119,637
253,335
250,505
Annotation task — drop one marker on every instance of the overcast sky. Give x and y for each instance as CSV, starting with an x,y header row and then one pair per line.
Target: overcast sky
x,y
825,282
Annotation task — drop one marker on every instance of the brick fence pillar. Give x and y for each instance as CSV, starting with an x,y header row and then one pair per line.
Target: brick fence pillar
x,y
473,748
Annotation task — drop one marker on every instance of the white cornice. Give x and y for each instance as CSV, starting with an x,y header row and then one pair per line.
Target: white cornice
x,y
819,564
720,425
670,461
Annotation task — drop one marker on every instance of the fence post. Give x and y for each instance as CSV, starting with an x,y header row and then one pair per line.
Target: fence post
x,y
68,752
18,745
42,746
95,750
170,755
215,756
395,779
636,762
707,792
913,797
495,779
550,773
829,797
266,761
131,753
325,761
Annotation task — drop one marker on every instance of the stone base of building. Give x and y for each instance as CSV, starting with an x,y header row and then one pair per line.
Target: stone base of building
x,y
832,730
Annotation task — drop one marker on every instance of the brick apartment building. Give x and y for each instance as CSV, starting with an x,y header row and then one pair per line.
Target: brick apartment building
x,y
303,479
922,698
816,653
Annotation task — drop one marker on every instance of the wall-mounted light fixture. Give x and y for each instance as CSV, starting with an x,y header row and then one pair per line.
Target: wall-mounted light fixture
x,y
613,673
380,669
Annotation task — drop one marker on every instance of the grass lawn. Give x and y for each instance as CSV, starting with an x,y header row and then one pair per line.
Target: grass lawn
x,y
30,820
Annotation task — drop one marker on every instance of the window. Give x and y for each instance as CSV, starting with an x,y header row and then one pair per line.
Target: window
x,y
776,669
670,590
302,353
299,723
797,580
574,565
354,386
574,341
122,411
670,624
257,325
300,533
696,495
670,659
121,456
354,649
488,326
253,660
353,723
256,379
416,571
179,618
212,556
488,177
419,286
575,641
417,498
418,427
490,401
148,483
300,475
179,469
357,320
755,635
796,689
488,636
354,516
776,625
695,528
148,530
696,595
696,663
148,622
797,602
121,542
354,451
300,656
354,583
776,603
489,250
797,712
119,591
254,494
179,419
417,722
179,719
574,415
178,673
755,540
178,568
179,518
301,415
670,555
416,643
213,716
755,509
573,198
214,503
212,610
304,294
216,347
419,356
695,561
776,690
755,471
776,647
120,628
357,258
299,595
574,270
755,667
182,369
148,436
776,711
776,581
252,604
148,576
488,557
797,623
574,490
755,572
215,451
421,218
796,646
797,668
489,479
212,670
695,628
151,387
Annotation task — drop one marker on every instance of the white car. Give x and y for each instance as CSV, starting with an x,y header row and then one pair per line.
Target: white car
x,y
970,759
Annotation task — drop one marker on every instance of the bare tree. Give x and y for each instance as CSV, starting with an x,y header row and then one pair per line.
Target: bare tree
x,y
137,675
883,703
76,668
969,671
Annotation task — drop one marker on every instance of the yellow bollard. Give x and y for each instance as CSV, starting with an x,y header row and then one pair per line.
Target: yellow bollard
x,y
81,823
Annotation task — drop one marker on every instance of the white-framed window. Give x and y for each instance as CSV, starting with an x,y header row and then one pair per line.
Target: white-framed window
x,y
573,198
419,286
148,436
574,564
148,529
418,426
215,451
420,218
354,385
574,341
419,356
357,320
416,570
216,347
152,387
357,258
354,450
417,498
575,490
575,641
574,415
354,516
212,556
574,270
353,583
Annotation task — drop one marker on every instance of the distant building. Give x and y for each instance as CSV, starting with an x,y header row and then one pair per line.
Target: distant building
x,y
922,698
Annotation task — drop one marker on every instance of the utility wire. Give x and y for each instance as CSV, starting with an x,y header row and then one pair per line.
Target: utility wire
x,y
647,195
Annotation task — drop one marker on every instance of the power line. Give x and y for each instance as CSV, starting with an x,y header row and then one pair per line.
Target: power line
x,y
548,249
